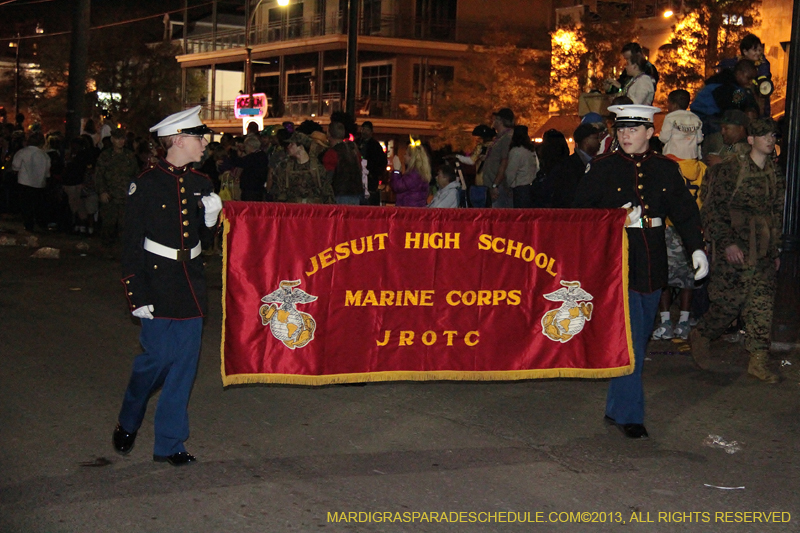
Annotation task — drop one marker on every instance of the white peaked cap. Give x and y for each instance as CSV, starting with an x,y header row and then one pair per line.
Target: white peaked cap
x,y
633,114
187,122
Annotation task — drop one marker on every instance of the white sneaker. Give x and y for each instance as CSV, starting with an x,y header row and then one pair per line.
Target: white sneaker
x,y
664,331
682,330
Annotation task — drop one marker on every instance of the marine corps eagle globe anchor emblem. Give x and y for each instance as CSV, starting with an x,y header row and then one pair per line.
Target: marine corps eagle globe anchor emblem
x,y
567,321
293,328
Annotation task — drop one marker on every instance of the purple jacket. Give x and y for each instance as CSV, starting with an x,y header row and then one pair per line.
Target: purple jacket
x,y
410,189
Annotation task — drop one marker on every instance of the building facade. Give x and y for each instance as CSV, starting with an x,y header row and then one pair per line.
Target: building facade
x,y
407,51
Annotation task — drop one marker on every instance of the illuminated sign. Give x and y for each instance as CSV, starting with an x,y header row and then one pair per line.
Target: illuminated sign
x,y
243,109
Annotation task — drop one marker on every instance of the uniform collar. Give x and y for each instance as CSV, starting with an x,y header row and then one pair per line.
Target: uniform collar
x,y
638,158
169,167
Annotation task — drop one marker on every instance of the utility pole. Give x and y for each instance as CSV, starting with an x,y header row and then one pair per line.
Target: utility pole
x,y
78,66
16,82
352,57
787,308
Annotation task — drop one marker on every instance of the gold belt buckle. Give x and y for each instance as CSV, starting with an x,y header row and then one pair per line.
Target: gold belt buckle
x,y
184,254
647,222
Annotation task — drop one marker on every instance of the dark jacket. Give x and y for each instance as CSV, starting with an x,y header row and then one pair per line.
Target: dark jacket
x,y
347,175
164,205
255,170
566,178
654,182
372,151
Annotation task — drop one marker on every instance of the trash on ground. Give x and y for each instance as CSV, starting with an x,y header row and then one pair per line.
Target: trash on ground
x,y
47,253
786,362
8,241
100,461
82,246
723,488
715,441
75,288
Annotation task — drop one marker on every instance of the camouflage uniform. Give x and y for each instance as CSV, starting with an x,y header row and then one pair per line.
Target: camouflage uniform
x,y
113,174
743,205
305,183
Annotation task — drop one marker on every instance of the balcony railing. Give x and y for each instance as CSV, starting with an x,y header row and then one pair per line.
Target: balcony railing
x,y
390,26
308,107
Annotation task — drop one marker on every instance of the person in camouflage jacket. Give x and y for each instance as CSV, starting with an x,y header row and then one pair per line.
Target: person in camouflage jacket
x,y
300,178
116,168
742,217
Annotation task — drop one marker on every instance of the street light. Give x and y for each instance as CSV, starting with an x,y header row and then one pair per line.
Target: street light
x,y
668,13
249,61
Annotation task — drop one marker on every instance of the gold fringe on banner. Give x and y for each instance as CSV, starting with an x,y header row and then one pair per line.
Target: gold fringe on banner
x,y
439,375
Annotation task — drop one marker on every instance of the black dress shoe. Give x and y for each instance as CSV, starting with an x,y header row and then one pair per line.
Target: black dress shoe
x,y
176,459
123,441
632,431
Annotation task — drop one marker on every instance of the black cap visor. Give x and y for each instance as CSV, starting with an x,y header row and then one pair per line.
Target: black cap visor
x,y
197,130
632,122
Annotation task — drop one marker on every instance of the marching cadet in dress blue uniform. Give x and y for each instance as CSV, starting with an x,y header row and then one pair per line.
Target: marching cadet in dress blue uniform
x,y
651,188
171,211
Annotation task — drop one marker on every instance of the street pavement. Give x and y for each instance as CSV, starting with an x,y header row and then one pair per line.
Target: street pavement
x,y
291,458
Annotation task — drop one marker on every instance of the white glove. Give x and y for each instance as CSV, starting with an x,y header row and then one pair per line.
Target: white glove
x,y
700,263
145,311
634,216
213,205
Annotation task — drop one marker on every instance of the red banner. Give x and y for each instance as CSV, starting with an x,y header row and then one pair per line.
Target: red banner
x,y
319,294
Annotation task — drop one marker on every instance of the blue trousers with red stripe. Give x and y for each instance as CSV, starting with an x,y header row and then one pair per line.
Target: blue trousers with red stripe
x,y
169,362
625,401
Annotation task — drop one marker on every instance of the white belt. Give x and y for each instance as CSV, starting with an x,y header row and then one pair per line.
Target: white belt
x,y
647,222
183,254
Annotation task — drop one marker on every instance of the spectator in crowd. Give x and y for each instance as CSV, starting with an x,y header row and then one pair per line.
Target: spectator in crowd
x,y
494,167
632,53
742,216
449,188
32,166
210,167
343,162
301,179
485,137
411,187
90,129
734,89
681,135
255,169
682,131
553,151
639,87
77,166
752,48
604,139
521,168
568,174
116,169
54,203
731,140
372,152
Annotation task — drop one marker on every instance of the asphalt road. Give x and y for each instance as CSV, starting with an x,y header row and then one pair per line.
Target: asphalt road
x,y
284,458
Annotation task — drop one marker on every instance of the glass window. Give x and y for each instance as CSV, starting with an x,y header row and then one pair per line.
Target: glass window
x,y
334,81
298,84
376,82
